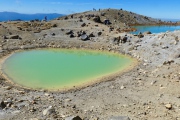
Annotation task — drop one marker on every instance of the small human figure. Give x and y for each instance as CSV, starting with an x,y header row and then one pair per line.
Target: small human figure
x,y
45,18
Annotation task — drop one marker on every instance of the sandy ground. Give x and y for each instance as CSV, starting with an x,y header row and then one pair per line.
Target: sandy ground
x,y
149,91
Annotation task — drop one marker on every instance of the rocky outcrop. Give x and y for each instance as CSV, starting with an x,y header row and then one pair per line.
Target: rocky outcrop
x,y
97,19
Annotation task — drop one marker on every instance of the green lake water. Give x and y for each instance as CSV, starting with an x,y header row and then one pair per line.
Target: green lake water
x,y
155,29
55,69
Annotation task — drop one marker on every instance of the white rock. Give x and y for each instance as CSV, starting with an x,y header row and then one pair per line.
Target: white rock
x,y
122,87
153,82
46,94
168,106
48,111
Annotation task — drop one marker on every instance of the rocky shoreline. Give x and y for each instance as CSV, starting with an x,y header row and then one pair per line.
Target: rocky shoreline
x,y
148,91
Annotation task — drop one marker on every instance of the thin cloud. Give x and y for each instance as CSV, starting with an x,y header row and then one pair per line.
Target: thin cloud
x,y
92,4
63,3
118,4
18,1
84,3
55,3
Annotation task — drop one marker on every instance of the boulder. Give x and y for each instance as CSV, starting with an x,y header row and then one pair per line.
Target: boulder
x,y
116,40
1,51
119,118
177,55
140,35
37,31
99,33
13,37
4,37
19,27
168,106
66,18
53,34
176,38
71,35
54,25
97,19
69,32
48,111
147,32
124,39
103,14
2,105
73,118
78,34
91,35
84,37
168,62
84,24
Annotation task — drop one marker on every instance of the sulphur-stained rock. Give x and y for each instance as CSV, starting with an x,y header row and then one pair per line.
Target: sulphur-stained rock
x,y
73,118
48,111
119,118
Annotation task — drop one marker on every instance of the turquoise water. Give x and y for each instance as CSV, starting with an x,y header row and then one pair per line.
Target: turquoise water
x,y
155,29
61,68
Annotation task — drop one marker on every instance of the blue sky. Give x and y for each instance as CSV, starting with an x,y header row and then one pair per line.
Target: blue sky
x,y
152,8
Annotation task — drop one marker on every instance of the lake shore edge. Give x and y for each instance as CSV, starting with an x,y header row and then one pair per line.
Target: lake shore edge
x,y
103,78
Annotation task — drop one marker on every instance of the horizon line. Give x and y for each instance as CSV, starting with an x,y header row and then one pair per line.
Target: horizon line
x,y
163,18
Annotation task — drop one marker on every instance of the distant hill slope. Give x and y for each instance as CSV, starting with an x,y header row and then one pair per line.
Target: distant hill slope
x,y
119,16
5,16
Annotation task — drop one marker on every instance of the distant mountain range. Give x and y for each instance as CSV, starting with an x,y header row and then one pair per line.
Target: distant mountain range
x,y
5,16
